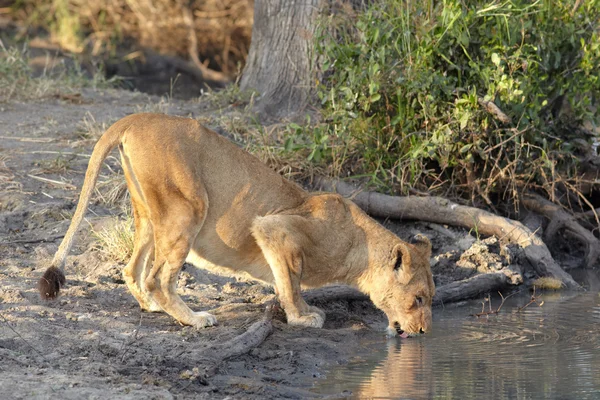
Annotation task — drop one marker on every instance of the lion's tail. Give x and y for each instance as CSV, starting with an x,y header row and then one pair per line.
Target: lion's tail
x,y
54,277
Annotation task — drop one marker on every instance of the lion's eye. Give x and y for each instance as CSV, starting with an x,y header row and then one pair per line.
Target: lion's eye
x,y
419,300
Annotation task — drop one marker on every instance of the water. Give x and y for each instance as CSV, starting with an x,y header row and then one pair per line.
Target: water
x,y
547,352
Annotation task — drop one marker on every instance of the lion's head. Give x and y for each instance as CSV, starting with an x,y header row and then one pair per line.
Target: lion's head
x,y
401,285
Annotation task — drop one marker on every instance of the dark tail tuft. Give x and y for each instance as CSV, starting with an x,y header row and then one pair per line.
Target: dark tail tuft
x,y
50,284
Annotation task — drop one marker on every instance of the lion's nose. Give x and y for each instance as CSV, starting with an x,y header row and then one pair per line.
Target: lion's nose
x,y
421,331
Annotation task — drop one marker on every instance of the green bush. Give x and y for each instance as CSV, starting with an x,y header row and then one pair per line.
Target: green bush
x,y
405,82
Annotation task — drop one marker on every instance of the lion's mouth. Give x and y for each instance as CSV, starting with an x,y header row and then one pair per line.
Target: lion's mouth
x,y
399,330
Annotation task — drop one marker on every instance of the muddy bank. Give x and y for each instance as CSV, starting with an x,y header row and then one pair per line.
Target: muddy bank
x,y
93,341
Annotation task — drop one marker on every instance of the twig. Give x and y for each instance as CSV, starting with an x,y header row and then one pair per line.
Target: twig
x,y
502,143
488,300
484,313
36,240
533,300
67,153
26,139
65,184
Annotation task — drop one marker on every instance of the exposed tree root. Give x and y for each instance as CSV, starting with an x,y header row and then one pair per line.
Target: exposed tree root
x,y
561,219
439,210
590,214
242,344
209,359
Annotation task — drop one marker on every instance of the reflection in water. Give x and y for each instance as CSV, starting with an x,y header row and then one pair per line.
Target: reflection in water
x,y
551,351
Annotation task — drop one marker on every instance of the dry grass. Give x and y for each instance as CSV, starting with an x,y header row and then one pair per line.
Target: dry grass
x,y
548,283
61,164
267,143
162,106
223,27
7,182
229,96
92,129
18,83
116,241
112,191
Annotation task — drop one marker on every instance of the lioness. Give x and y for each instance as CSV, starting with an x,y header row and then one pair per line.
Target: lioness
x,y
198,197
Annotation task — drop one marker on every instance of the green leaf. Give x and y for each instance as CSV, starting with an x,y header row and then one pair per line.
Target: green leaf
x,y
289,144
465,148
317,155
496,59
464,120
295,127
396,119
375,98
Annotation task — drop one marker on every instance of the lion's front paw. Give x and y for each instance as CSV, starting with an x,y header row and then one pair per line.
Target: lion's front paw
x,y
313,319
203,319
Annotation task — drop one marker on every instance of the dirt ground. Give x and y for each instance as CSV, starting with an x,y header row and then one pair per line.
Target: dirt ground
x,y
93,341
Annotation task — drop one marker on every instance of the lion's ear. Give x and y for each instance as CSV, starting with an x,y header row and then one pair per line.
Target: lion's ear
x,y
401,256
422,242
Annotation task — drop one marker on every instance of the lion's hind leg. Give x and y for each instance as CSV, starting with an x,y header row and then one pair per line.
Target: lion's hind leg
x,y
138,267
173,239
282,247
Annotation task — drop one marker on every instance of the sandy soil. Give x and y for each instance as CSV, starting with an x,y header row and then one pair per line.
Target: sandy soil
x,y
93,342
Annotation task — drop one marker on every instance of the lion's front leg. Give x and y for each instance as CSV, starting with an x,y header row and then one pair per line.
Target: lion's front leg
x,y
282,249
300,314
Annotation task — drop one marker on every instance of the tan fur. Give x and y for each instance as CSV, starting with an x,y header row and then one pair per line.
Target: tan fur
x,y
198,197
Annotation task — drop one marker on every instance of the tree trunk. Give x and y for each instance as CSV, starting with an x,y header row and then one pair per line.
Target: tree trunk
x,y
279,64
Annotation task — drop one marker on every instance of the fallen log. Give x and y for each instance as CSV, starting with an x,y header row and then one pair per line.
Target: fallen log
x,y
465,289
443,211
470,288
